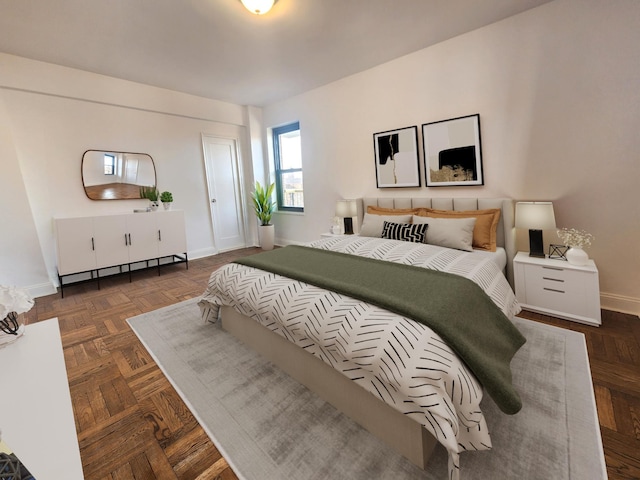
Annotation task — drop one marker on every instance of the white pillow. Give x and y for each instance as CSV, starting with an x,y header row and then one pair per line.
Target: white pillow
x,y
372,224
449,232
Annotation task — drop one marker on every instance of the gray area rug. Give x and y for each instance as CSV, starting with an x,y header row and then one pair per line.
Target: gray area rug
x,y
268,426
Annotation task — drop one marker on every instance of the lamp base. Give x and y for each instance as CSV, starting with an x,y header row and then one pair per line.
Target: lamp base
x,y
536,245
348,226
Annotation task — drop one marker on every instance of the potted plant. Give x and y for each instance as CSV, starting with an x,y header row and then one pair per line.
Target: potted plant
x,y
264,207
150,193
167,199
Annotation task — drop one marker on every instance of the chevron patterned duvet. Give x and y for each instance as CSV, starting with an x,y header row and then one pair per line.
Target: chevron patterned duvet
x,y
402,362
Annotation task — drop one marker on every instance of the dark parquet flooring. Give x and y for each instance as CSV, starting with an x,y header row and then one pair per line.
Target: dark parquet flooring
x,y
132,424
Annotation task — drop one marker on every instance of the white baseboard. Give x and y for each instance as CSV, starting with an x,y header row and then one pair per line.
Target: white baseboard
x,y
620,303
232,249
42,289
281,242
207,252
203,252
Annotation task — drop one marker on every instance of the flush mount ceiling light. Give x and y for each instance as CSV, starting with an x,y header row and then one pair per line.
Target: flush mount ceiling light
x,y
259,7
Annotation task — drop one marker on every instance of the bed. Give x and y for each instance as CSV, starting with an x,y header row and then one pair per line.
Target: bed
x,y
387,400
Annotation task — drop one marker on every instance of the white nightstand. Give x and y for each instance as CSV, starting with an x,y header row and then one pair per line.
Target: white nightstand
x,y
557,288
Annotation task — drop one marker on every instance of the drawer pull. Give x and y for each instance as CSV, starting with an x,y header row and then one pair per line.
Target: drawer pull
x,y
553,290
553,279
554,268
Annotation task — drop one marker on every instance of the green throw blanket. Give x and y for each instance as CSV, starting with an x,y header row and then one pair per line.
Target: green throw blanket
x,y
454,307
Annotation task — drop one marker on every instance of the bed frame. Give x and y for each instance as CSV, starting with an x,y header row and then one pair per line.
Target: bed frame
x,y
400,432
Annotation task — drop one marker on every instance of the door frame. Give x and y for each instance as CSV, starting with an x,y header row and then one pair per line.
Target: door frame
x,y
237,141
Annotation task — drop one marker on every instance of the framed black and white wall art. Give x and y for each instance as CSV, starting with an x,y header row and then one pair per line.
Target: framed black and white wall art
x,y
453,152
396,156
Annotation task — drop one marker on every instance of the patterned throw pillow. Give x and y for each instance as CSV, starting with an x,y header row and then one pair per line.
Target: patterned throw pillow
x,y
405,231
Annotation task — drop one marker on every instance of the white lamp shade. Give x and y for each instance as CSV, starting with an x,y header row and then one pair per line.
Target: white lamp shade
x,y
346,208
259,7
535,215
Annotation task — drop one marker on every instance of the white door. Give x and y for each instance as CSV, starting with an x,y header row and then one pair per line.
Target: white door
x,y
131,171
224,176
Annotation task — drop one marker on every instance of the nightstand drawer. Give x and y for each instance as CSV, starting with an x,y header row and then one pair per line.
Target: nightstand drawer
x,y
554,279
555,298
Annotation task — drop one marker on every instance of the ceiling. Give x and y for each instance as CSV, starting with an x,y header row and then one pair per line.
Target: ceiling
x,y
217,49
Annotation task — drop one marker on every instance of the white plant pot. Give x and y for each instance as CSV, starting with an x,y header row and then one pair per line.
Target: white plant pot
x,y
577,256
266,234
166,205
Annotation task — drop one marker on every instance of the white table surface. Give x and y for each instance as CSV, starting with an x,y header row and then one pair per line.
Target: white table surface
x,y
36,415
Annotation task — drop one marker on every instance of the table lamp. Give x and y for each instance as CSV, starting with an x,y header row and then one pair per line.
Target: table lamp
x,y
347,209
536,216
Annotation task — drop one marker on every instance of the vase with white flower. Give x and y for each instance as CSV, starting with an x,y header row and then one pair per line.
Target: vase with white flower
x,y
576,240
13,302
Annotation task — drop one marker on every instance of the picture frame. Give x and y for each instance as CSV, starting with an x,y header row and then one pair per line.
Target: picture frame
x,y
396,158
453,152
558,252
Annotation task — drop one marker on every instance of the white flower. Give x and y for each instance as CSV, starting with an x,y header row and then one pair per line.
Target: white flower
x,y
14,299
575,238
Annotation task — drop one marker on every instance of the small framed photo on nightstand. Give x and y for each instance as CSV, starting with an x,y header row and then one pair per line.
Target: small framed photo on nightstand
x,y
558,252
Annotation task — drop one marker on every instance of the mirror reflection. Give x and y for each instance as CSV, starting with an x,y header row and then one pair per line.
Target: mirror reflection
x,y
116,175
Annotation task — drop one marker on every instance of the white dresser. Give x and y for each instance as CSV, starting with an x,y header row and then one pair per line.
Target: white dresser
x,y
36,414
557,288
89,244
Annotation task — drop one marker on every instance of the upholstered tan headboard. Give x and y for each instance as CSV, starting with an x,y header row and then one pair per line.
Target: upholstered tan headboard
x,y
506,235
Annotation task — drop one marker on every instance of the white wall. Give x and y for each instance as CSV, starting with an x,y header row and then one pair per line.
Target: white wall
x,y
53,114
21,262
557,92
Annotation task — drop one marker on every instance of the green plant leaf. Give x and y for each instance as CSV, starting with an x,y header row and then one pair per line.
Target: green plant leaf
x,y
262,204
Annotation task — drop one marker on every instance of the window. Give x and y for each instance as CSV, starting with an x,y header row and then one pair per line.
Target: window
x,y
109,164
287,156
